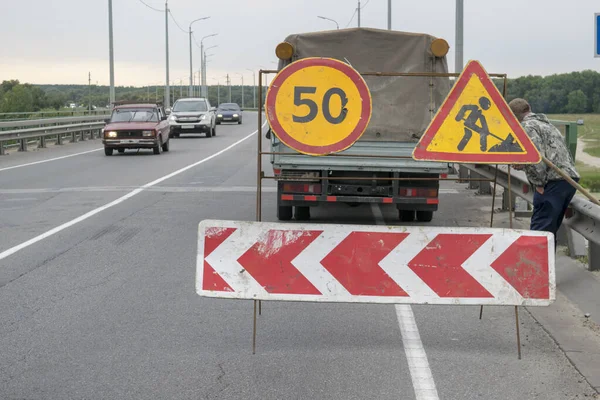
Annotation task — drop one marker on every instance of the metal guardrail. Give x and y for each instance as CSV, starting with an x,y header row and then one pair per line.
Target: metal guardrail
x,y
583,218
18,116
21,132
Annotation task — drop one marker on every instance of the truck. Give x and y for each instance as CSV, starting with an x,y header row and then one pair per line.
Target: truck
x,y
378,167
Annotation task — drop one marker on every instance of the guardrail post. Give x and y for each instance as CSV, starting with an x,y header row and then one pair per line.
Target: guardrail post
x,y
43,142
83,132
575,243
59,139
571,138
463,173
594,257
505,200
23,145
2,151
474,184
74,137
485,188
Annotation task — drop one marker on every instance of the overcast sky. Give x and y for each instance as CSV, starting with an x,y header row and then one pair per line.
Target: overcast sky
x,y
59,41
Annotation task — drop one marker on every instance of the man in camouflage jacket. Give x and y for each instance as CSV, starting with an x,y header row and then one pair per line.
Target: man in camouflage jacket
x,y
552,193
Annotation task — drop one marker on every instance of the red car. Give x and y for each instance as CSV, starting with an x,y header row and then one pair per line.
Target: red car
x,y
136,126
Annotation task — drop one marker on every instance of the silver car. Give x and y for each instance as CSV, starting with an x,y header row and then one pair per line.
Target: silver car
x,y
192,115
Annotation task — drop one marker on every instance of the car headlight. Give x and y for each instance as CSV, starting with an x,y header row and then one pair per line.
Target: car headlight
x,y
173,118
112,134
147,133
220,115
203,117
235,115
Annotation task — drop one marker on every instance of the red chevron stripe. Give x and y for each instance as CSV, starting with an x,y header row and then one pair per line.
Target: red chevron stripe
x,y
439,265
213,238
269,261
355,263
525,266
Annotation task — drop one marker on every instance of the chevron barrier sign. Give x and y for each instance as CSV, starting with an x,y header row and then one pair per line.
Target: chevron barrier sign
x,y
375,264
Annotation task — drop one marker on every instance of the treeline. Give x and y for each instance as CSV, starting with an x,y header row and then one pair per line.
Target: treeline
x,y
24,97
575,92
18,97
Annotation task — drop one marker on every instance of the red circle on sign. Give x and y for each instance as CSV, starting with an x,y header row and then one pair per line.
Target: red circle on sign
x,y
343,144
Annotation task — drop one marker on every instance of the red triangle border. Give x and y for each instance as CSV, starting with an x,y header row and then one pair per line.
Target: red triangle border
x,y
531,154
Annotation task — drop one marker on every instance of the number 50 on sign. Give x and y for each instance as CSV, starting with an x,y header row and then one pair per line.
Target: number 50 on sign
x,y
318,106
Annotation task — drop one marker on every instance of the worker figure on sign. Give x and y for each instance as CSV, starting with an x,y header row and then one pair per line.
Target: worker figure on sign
x,y
475,122
553,193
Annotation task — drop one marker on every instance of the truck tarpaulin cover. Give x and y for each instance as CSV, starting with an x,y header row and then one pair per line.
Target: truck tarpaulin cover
x,y
402,106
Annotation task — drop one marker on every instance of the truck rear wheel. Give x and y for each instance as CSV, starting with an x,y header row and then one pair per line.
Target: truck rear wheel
x,y
425,216
302,213
284,213
406,215
108,151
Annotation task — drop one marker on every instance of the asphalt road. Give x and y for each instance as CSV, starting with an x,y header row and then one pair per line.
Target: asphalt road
x,y
97,294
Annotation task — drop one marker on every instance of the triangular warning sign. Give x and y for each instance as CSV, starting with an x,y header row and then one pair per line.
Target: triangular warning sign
x,y
475,125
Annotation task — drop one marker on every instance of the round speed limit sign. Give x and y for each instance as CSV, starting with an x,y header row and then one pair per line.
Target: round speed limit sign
x,y
318,106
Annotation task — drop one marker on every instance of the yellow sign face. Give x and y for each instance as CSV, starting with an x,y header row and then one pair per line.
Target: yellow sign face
x,y
318,106
475,125
474,111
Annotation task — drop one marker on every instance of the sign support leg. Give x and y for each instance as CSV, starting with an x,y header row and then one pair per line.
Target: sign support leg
x,y
492,217
510,206
510,219
254,330
518,331
259,307
258,190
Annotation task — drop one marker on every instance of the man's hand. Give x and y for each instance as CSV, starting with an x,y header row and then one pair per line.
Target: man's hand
x,y
539,189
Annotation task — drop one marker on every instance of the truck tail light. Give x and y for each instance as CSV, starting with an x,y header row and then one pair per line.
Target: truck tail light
x,y
302,188
418,192
277,171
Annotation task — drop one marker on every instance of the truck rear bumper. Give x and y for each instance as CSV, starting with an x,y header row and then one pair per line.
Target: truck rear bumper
x,y
412,203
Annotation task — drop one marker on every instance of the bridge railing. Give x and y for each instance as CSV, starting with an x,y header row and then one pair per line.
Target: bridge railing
x,y
28,132
20,116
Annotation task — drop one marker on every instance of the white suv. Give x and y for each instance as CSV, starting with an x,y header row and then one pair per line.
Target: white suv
x,y
192,115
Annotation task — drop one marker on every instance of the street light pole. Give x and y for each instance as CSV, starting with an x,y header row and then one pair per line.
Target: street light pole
x,y
191,90
458,62
204,84
111,95
358,13
242,75
204,72
253,87
203,63
389,15
167,83
229,84
329,19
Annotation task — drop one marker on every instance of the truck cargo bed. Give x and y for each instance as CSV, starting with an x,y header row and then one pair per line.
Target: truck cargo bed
x,y
353,163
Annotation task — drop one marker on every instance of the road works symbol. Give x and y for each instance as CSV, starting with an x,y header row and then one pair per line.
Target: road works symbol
x,y
475,106
318,106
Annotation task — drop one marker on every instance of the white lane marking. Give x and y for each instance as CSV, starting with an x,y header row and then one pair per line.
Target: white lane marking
x,y
420,372
21,199
48,160
121,199
169,189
